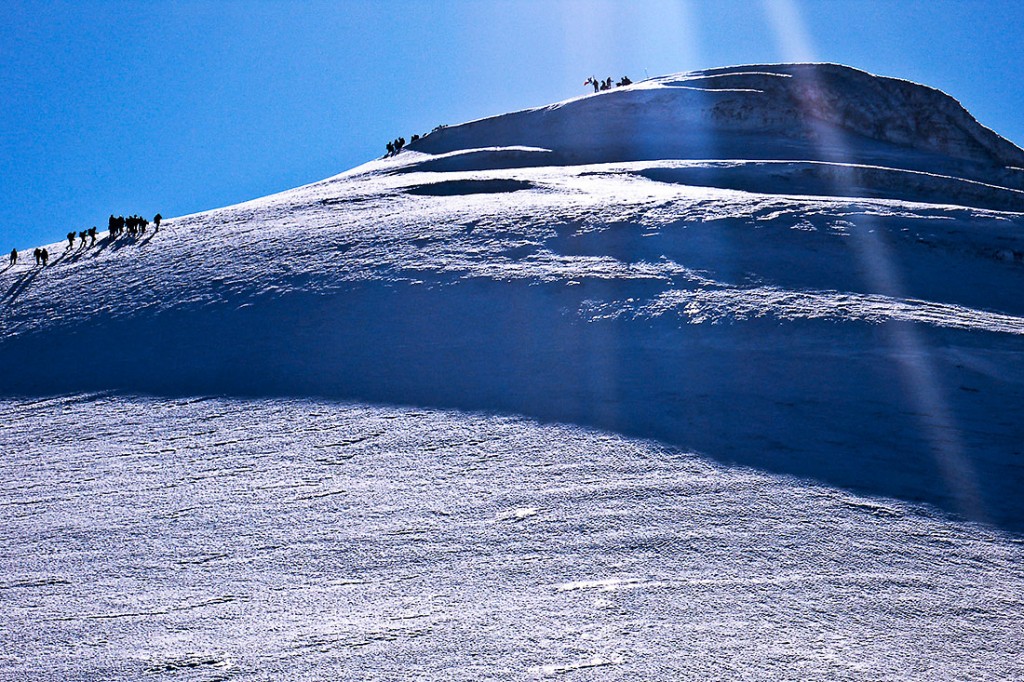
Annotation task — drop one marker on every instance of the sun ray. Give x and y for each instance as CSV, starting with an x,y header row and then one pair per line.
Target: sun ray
x,y
911,353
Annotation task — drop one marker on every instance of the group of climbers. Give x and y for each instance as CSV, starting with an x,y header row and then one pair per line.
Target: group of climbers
x,y
396,146
606,84
133,225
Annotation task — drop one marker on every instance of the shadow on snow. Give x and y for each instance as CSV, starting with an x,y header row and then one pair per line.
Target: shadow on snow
x,y
813,398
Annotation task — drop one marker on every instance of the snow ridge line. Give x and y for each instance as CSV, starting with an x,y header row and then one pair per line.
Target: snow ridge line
x,y
719,305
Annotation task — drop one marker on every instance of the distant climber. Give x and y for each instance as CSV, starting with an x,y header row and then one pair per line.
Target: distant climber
x,y
391,148
81,238
592,81
71,239
625,81
92,235
156,222
38,253
45,255
14,256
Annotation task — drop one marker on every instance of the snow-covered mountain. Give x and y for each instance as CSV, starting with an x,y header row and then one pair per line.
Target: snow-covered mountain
x,y
801,270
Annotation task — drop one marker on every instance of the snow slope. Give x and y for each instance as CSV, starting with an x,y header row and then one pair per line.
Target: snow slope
x,y
803,270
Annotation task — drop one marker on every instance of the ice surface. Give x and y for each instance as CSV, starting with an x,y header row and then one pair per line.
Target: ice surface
x,y
718,375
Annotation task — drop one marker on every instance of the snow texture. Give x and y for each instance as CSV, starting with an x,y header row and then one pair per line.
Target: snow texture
x,y
235,539
717,375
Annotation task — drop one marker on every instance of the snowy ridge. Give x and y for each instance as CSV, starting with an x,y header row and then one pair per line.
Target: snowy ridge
x,y
822,112
709,304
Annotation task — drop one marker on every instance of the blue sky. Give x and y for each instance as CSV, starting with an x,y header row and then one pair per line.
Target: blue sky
x,y
177,107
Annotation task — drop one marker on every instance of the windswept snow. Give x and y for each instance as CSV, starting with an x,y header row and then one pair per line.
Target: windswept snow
x,y
251,540
728,303
716,375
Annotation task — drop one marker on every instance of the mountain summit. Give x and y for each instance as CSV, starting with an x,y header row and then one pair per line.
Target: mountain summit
x,y
862,130
805,111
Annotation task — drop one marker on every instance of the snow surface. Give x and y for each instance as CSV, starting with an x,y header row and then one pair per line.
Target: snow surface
x,y
761,332
234,539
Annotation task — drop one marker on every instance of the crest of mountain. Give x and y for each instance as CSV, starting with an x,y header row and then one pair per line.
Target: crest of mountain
x,y
789,112
804,268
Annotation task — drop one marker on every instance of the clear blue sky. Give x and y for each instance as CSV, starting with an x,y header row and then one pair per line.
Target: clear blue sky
x,y
177,107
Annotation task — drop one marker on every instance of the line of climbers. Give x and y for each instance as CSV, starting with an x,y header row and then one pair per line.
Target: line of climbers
x,y
83,235
606,84
133,225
